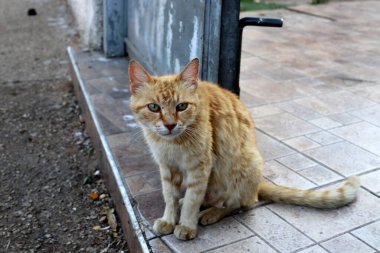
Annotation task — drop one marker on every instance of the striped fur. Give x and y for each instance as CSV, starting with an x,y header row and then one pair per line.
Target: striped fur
x,y
333,198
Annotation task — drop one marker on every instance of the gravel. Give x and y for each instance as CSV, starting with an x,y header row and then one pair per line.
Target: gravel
x,y
48,170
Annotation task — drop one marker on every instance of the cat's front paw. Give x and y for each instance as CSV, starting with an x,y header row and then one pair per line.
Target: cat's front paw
x,y
185,233
162,226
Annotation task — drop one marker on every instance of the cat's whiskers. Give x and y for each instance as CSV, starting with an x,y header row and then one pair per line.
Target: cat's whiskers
x,y
190,135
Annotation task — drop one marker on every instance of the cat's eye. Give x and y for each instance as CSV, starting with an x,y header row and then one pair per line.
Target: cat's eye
x,y
182,106
154,107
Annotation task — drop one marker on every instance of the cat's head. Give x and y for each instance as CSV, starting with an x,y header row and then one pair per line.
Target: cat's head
x,y
165,105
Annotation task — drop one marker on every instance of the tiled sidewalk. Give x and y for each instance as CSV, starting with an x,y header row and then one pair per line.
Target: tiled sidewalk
x,y
314,90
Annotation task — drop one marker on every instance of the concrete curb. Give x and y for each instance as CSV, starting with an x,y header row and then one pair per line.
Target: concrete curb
x,y
110,170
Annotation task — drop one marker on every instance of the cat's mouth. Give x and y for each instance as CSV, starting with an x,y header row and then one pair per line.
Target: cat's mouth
x,y
170,135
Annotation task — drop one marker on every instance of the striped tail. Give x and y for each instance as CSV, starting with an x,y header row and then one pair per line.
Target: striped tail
x,y
332,198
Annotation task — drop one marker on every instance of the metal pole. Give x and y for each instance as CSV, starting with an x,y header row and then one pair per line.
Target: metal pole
x,y
231,41
230,46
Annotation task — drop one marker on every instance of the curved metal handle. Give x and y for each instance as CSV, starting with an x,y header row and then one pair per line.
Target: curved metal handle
x,y
253,21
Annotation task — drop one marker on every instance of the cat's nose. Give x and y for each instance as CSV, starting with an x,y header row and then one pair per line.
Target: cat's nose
x,y
170,126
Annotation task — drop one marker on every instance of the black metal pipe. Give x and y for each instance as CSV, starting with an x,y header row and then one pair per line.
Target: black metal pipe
x,y
269,22
231,42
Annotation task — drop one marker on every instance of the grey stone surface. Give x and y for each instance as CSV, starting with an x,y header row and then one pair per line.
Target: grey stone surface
x,y
371,181
370,234
371,115
281,175
319,175
362,134
275,230
345,158
222,233
348,244
284,126
296,162
253,244
301,143
324,138
313,249
271,148
324,224
325,123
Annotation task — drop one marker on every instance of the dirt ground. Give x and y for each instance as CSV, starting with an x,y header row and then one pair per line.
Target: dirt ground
x,y
52,198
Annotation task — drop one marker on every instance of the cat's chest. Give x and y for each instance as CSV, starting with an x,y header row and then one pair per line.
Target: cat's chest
x,y
173,156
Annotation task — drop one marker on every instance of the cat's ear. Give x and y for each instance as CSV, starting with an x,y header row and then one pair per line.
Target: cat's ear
x,y
138,76
189,74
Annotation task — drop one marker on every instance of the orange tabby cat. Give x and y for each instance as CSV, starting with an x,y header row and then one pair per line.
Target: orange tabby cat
x,y
203,135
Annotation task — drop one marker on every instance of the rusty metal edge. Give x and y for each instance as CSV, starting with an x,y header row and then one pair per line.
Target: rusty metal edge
x,y
133,233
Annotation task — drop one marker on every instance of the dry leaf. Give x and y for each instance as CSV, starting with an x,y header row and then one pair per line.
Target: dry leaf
x,y
111,219
96,228
94,195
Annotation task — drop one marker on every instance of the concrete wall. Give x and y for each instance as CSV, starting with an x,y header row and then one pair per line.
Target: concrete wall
x,y
164,35
88,15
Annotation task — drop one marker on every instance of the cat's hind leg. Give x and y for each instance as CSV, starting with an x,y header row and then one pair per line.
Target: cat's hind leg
x,y
214,214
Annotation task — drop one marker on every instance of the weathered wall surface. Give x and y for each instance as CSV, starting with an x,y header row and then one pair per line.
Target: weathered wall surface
x,y
88,15
151,30
164,35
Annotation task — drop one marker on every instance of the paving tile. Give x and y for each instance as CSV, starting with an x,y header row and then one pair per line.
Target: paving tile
x,y
324,138
274,230
313,249
149,211
253,244
324,224
249,64
325,123
346,243
296,162
250,100
271,148
221,233
344,118
299,110
320,175
345,158
370,234
301,143
342,81
282,175
144,182
369,92
269,90
114,110
149,234
158,246
98,68
371,181
108,127
131,145
133,164
285,125
362,134
122,139
116,87
371,115
336,102
264,110
282,73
